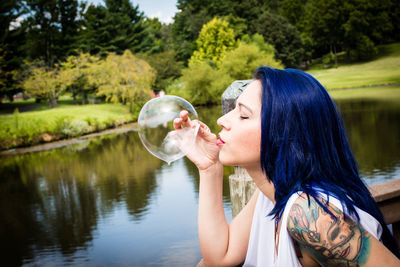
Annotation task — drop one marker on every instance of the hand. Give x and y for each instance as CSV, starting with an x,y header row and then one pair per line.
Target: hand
x,y
205,152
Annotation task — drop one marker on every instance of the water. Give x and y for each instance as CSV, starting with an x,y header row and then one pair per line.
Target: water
x,y
107,201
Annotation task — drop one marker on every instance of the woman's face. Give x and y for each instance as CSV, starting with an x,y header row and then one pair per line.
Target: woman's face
x,y
240,138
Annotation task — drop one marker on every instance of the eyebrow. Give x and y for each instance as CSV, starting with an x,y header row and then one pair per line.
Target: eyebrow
x,y
245,106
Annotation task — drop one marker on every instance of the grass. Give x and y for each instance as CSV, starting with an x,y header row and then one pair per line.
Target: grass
x,y
387,93
33,127
385,69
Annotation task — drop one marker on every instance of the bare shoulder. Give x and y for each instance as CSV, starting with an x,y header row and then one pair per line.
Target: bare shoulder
x,y
331,239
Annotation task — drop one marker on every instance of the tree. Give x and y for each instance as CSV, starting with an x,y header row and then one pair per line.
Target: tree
x,y
12,35
292,10
285,38
114,28
241,62
188,22
204,84
166,66
78,68
123,79
47,83
69,25
52,29
215,39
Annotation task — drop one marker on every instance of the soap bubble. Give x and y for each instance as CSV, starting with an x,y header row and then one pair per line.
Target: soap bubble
x,y
156,128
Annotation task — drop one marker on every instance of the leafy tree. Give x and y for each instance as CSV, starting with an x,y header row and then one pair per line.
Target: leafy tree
x,y
166,66
204,84
47,83
277,31
215,39
188,22
185,30
292,10
123,79
69,25
12,35
114,28
78,68
239,25
241,62
52,29
323,25
258,40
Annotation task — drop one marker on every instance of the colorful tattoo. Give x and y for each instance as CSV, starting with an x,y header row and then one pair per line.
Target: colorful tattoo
x,y
331,240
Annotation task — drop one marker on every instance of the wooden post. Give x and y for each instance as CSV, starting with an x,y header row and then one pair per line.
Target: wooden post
x,y
240,183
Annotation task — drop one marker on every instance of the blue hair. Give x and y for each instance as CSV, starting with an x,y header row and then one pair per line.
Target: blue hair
x,y
304,146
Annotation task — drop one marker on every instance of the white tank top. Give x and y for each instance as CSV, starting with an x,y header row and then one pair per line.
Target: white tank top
x,y
261,250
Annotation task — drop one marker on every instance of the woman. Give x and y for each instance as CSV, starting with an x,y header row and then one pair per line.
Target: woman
x,y
310,207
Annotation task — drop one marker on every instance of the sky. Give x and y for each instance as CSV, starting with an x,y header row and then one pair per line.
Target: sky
x,y
164,10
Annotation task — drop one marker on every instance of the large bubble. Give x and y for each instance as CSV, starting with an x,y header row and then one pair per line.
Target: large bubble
x,y
156,129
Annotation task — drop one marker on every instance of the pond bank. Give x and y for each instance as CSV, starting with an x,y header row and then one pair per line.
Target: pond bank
x,y
65,142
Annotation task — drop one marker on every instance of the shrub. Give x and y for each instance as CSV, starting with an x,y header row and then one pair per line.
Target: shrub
x,y
74,128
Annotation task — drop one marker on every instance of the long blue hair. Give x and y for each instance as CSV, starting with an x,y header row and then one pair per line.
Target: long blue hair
x,y
304,146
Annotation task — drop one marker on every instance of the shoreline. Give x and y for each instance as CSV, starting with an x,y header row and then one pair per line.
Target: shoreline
x,y
129,127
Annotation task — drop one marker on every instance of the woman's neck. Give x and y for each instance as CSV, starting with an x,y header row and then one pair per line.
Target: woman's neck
x,y
260,179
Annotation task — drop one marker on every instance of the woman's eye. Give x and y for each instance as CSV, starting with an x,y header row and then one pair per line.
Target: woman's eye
x,y
243,117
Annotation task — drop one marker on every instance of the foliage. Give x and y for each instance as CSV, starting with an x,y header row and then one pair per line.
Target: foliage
x,y
52,29
241,62
215,39
114,28
285,38
78,68
200,80
11,50
204,84
258,40
122,78
47,83
166,66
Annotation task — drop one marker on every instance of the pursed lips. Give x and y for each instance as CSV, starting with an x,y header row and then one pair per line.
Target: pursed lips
x,y
220,141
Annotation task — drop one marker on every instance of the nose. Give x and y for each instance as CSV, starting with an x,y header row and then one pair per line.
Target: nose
x,y
224,122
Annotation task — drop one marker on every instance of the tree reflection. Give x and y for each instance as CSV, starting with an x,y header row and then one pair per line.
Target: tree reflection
x,y
53,199
373,130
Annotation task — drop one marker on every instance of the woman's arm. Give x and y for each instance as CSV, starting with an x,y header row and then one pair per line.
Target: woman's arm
x,y
334,241
221,244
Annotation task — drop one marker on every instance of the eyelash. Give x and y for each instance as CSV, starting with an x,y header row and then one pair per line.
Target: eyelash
x,y
243,117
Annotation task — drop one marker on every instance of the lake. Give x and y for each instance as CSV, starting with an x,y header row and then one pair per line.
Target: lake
x,y
107,201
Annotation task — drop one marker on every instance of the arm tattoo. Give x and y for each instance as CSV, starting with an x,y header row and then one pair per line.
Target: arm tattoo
x,y
332,241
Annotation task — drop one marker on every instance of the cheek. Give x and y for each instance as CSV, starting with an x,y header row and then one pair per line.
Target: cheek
x,y
249,143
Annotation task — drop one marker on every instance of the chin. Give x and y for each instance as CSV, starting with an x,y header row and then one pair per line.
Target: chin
x,y
227,160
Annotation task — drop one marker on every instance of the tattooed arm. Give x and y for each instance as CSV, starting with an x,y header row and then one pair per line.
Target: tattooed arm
x,y
334,241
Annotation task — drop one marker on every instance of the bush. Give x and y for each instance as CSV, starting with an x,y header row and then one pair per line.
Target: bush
x,y
74,128
245,59
203,84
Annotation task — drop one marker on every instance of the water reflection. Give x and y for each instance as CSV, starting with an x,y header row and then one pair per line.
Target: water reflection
x,y
53,199
107,201
373,130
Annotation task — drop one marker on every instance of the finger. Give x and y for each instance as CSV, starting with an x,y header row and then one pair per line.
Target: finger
x,y
185,118
177,123
204,127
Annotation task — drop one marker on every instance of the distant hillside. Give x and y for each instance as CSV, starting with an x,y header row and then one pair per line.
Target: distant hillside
x,y
384,69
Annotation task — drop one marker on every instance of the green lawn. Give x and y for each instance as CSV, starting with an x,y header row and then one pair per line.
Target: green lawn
x,y
385,69
387,93
28,128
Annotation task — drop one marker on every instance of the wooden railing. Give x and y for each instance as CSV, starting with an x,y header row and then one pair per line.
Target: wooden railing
x,y
387,195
